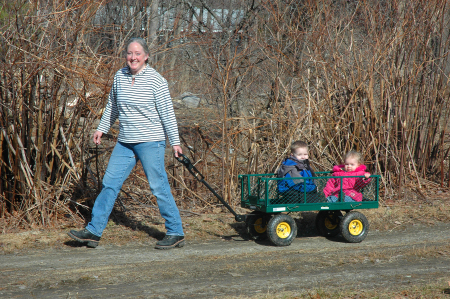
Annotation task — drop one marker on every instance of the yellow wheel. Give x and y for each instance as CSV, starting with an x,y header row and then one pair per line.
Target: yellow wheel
x,y
259,226
327,223
256,224
281,230
330,222
354,227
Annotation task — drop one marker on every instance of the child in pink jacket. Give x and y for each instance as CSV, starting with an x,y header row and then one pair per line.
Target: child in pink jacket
x,y
351,186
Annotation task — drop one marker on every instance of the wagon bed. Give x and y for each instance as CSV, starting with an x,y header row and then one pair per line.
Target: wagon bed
x,y
270,208
259,192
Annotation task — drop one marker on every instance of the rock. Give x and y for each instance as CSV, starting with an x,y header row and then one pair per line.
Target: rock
x,y
187,99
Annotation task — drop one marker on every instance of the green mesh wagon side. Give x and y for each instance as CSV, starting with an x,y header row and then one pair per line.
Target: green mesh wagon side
x,y
260,192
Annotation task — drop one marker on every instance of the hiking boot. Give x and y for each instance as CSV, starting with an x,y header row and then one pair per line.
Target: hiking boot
x,y
170,242
85,236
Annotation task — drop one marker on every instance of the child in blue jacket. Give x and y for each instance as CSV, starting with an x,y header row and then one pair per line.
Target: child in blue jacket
x,y
296,166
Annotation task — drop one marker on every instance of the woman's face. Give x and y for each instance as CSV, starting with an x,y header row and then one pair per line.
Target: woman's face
x,y
136,57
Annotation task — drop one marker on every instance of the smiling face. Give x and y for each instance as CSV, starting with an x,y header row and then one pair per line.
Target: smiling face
x,y
301,153
136,58
351,163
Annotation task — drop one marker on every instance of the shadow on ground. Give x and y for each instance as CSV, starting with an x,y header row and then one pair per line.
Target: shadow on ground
x,y
119,217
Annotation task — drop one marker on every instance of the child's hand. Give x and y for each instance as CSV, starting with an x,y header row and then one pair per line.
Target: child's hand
x,y
367,175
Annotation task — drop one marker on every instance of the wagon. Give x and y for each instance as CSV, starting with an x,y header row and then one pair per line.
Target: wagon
x,y
270,208
269,217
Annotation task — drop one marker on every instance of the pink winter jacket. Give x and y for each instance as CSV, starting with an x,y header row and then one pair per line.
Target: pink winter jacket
x,y
350,186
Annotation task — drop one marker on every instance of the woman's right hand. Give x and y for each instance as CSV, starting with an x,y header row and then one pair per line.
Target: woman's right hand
x,y
97,137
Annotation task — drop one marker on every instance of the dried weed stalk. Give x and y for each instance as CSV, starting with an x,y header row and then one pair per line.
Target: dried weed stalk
x,y
341,75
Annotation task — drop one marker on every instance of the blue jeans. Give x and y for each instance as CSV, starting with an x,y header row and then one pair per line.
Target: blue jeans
x,y
123,158
333,198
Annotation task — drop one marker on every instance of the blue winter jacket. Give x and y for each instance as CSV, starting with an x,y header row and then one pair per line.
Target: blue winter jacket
x,y
293,168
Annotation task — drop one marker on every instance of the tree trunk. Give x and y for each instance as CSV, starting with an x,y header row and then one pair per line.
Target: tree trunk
x,y
153,25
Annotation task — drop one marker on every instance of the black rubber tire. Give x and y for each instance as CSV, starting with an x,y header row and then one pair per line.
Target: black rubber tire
x,y
327,223
256,224
282,230
354,227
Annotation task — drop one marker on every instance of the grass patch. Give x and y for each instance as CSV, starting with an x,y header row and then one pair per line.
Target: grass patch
x,y
437,289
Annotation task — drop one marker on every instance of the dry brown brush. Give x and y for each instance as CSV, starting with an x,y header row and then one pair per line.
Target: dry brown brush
x,y
52,85
365,75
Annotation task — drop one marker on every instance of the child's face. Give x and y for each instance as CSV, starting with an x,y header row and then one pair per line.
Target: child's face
x,y
351,164
301,154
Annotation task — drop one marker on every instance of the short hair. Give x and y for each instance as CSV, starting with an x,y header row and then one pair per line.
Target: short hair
x,y
141,42
354,154
298,144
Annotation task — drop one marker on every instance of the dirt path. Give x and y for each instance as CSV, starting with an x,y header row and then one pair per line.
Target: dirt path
x,y
386,261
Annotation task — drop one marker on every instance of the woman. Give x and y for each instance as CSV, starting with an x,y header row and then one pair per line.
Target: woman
x,y
141,100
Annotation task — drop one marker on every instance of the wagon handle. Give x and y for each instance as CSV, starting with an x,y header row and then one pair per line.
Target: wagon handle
x,y
194,171
190,167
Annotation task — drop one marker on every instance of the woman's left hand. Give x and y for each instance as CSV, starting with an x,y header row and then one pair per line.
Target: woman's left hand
x,y
177,151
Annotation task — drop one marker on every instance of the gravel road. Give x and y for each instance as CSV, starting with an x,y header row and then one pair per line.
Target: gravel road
x,y
386,261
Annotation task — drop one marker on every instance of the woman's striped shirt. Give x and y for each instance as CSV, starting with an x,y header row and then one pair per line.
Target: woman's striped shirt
x,y
145,110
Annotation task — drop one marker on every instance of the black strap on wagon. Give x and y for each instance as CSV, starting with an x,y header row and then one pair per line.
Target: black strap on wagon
x,y
194,171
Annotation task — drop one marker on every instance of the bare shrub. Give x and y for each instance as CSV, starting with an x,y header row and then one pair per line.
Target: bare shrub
x,y
341,75
52,86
